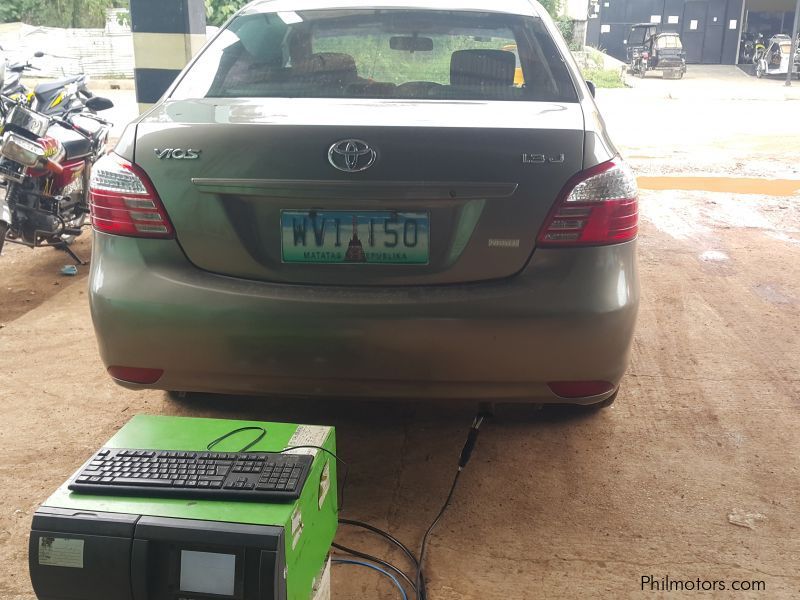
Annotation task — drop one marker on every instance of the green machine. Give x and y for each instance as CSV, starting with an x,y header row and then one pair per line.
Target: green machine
x,y
118,547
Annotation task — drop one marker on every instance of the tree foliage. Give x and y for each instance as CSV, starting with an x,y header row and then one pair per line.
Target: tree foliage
x,y
58,13
553,7
219,11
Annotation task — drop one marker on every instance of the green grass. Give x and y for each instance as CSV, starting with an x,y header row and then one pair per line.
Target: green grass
x,y
604,78
375,60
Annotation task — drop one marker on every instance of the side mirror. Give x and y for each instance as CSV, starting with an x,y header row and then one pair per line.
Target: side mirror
x,y
591,87
38,54
96,103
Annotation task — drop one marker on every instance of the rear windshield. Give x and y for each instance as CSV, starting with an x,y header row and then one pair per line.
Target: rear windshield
x,y
407,54
669,41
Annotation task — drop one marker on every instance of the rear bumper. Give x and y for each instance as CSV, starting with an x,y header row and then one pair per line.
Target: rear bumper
x,y
569,315
667,65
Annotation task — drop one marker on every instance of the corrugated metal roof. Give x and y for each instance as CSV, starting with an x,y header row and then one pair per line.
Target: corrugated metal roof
x,y
97,52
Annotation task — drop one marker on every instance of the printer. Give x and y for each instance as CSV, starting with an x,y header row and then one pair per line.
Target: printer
x,y
109,547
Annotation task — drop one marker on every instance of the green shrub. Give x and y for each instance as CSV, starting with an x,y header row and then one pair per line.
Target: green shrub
x,y
604,78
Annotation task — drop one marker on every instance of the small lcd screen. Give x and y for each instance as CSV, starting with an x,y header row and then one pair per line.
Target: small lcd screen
x,y
208,572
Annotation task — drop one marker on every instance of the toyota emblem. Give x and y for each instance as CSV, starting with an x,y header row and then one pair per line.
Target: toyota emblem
x,y
351,156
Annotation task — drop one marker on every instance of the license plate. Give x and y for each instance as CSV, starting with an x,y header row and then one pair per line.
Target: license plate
x,y
367,237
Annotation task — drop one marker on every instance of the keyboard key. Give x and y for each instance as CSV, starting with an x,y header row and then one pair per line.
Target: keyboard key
x,y
142,481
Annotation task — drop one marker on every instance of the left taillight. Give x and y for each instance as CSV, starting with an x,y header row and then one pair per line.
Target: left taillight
x,y
123,200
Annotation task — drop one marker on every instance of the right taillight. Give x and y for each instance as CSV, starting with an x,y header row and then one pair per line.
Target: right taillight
x,y
597,206
123,200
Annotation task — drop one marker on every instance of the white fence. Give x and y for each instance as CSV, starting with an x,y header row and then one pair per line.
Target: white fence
x,y
104,52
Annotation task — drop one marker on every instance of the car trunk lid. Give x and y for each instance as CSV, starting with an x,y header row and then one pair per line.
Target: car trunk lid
x,y
263,201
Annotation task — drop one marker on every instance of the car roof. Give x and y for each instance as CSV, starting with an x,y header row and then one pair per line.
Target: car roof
x,y
515,7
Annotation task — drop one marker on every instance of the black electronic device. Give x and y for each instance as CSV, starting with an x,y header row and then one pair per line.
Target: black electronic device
x,y
105,556
259,476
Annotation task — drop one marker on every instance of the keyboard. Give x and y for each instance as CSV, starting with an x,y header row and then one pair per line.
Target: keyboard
x,y
259,476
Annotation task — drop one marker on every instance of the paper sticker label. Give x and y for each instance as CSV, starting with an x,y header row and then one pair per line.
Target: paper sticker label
x,y
61,552
693,24
322,585
672,19
324,484
297,526
308,435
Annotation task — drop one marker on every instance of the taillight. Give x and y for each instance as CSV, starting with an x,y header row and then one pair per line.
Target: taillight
x,y
123,200
597,206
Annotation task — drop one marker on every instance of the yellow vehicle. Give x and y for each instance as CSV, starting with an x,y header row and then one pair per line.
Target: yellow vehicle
x,y
519,78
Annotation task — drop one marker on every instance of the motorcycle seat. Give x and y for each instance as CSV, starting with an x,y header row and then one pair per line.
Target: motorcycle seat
x,y
44,88
75,144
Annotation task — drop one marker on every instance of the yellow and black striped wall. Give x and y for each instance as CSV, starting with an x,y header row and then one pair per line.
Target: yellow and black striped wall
x,y
166,34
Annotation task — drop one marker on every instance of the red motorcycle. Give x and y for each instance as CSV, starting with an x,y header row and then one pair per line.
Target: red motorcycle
x,y
44,173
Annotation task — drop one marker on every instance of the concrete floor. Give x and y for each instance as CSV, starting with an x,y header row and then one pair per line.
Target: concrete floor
x,y
693,474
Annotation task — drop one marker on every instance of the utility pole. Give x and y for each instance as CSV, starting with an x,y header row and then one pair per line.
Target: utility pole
x,y
166,34
793,47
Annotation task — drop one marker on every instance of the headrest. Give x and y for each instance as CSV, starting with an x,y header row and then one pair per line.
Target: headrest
x,y
493,68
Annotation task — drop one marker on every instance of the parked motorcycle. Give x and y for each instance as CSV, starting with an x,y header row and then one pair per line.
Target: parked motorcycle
x,y
746,47
758,48
44,170
12,86
57,97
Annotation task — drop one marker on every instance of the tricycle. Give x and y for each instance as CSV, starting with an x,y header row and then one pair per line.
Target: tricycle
x,y
775,60
649,50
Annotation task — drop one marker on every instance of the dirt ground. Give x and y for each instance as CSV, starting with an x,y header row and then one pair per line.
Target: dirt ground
x,y
692,474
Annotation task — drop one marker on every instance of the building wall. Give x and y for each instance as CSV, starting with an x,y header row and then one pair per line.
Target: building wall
x,y
709,29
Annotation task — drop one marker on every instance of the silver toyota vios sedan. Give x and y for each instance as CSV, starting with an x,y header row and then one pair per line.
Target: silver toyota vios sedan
x,y
373,198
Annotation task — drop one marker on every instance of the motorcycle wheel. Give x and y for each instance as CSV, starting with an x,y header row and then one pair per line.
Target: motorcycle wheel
x,y
78,221
759,70
642,72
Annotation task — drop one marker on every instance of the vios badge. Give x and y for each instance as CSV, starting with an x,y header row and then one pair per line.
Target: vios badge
x,y
351,156
177,153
